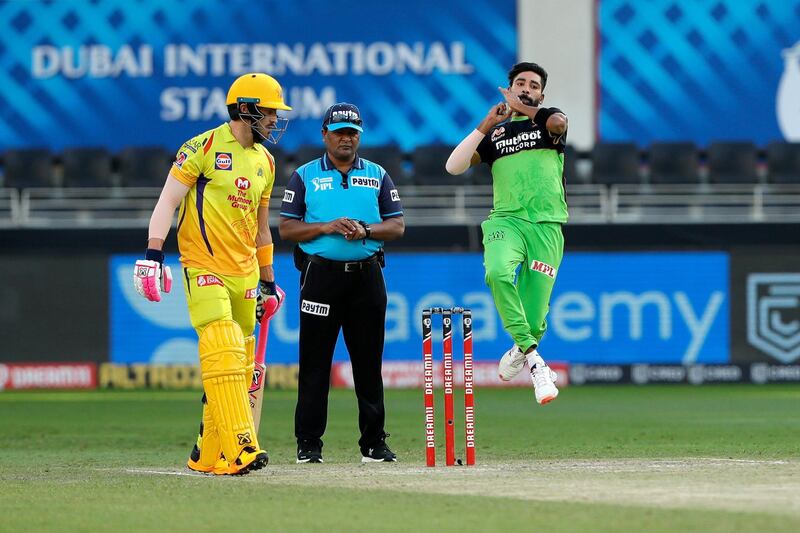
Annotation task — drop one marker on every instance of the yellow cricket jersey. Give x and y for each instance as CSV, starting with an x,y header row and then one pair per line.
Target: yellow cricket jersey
x,y
217,222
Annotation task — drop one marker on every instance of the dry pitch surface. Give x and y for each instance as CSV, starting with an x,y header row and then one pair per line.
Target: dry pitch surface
x,y
737,485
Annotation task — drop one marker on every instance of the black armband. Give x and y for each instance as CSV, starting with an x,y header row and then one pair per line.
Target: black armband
x,y
542,115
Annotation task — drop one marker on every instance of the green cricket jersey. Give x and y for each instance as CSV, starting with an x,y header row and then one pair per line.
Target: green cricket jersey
x,y
527,165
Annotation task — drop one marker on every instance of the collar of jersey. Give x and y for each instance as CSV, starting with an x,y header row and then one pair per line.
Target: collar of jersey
x,y
519,119
327,164
226,135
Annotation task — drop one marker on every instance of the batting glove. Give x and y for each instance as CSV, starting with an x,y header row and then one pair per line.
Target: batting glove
x,y
151,277
269,299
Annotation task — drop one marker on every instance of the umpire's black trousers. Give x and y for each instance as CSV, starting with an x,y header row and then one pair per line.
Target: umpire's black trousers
x,y
351,297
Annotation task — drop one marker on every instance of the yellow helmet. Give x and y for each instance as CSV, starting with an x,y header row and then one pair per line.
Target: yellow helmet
x,y
257,88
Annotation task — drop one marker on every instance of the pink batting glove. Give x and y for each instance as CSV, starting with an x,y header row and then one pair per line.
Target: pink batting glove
x,y
151,278
269,300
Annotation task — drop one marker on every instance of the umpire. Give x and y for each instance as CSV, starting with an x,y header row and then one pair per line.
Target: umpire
x,y
339,209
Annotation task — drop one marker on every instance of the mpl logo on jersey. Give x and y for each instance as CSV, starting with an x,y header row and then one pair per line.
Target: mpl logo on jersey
x,y
773,314
242,183
544,268
223,161
205,280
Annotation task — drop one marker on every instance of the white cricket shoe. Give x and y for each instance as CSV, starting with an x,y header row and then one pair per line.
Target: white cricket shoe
x,y
511,363
543,381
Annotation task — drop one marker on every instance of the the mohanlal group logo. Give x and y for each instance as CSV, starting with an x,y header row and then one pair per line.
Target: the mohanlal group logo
x,y
773,314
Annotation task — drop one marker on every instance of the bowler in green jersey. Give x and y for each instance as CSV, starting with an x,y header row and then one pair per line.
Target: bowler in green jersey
x,y
523,143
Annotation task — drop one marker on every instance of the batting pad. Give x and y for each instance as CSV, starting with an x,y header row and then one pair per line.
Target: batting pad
x,y
223,366
209,442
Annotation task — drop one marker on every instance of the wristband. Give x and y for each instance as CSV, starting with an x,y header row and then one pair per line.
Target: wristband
x,y
269,286
264,255
542,115
154,255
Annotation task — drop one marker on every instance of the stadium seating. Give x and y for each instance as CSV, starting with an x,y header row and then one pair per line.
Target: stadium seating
x,y
615,163
732,162
674,163
783,162
307,153
28,167
429,161
570,167
480,175
283,165
144,167
390,157
87,167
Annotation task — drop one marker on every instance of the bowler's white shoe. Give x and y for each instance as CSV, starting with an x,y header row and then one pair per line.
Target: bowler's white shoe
x,y
511,364
543,381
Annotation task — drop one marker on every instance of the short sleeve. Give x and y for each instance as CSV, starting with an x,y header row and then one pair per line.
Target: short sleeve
x,y
485,149
389,199
267,193
189,161
294,198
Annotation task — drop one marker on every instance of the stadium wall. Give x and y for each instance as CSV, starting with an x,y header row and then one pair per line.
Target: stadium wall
x,y
716,302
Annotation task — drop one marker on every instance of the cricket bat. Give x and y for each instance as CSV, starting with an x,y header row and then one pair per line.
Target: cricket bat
x,y
256,392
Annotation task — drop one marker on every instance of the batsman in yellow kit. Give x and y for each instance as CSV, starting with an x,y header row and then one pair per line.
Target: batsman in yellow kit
x,y
222,180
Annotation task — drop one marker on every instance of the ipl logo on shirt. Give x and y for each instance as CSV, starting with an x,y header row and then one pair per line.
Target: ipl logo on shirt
x,y
180,159
224,161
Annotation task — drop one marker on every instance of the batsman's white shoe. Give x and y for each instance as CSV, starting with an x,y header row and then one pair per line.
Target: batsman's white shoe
x,y
543,381
511,364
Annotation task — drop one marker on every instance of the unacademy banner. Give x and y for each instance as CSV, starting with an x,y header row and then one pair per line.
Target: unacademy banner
x,y
704,71
607,308
155,72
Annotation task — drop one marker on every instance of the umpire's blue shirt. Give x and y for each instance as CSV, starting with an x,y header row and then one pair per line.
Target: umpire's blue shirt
x,y
318,192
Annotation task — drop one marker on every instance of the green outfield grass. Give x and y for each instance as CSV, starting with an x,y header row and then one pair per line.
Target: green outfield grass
x,y
113,461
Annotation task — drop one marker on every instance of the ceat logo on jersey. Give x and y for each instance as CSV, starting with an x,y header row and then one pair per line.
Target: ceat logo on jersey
x,y
224,161
242,183
180,159
204,280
